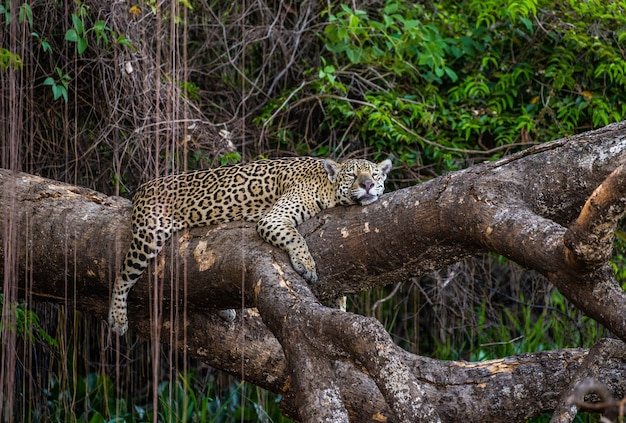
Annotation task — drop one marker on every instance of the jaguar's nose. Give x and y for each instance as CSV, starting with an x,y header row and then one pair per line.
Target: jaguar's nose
x,y
367,184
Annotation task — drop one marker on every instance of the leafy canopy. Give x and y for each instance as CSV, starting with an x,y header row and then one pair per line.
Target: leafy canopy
x,y
439,84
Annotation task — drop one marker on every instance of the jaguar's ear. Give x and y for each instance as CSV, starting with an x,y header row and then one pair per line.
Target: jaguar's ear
x,y
332,169
385,166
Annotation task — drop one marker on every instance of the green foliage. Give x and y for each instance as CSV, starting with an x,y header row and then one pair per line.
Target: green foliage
x,y
25,323
532,328
484,309
79,34
26,14
5,11
10,60
59,85
103,35
439,84
88,399
499,324
43,43
190,90
230,158
92,399
399,41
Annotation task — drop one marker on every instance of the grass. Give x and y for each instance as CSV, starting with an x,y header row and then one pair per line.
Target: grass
x,y
91,399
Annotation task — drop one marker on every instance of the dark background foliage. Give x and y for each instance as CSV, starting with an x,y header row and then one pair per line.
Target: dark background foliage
x,y
109,94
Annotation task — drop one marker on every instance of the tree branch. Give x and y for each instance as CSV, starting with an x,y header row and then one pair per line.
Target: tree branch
x,y
325,362
604,350
589,240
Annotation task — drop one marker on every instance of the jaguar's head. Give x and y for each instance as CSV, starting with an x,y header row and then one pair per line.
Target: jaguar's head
x,y
357,181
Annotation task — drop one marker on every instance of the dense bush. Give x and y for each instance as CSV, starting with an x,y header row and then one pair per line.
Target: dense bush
x,y
438,84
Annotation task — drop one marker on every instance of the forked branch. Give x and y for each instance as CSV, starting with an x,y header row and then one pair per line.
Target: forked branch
x,y
312,348
589,239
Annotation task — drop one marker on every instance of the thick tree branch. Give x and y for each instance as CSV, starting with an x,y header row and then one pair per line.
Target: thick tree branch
x,y
72,240
335,335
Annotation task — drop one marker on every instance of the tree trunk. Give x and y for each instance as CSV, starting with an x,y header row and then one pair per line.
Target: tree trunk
x,y
553,208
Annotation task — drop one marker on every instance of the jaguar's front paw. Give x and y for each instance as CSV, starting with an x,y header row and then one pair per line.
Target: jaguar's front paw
x,y
118,321
310,276
307,272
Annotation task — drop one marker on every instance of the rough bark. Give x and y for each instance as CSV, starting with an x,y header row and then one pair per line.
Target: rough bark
x,y
553,208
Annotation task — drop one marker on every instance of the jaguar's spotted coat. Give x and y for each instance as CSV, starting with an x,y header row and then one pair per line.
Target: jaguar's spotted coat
x,y
279,194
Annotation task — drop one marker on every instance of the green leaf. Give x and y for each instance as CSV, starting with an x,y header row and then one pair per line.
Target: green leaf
x,y
26,13
410,24
123,41
186,4
391,8
49,81
451,74
45,46
81,45
96,418
78,24
57,91
100,26
71,35
354,54
9,59
527,23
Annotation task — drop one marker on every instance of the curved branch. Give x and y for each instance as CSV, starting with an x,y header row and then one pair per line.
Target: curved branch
x,y
590,369
611,409
589,239
310,348
366,340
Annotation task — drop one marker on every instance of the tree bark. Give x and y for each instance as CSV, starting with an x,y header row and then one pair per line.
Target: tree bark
x,y
553,208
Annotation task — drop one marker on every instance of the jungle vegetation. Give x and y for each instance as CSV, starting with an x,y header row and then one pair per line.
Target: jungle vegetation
x,y
106,95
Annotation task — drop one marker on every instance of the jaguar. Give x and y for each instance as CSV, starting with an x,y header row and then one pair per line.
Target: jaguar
x,y
278,194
